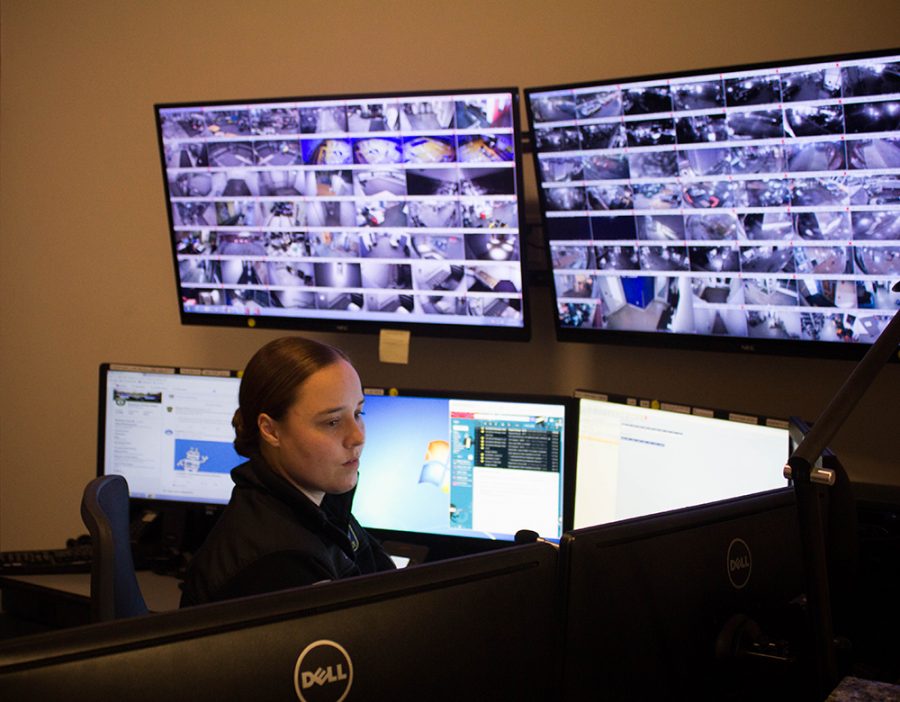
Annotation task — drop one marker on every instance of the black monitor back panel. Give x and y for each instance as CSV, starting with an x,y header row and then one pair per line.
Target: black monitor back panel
x,y
478,627
648,600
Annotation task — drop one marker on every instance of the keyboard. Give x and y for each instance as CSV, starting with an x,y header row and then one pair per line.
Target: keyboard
x,y
75,559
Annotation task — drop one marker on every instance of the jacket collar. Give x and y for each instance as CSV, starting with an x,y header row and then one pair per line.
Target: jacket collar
x,y
335,508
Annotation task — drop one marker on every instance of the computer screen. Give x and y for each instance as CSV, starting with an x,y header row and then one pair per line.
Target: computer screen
x,y
669,606
464,464
748,208
638,456
168,431
479,627
349,213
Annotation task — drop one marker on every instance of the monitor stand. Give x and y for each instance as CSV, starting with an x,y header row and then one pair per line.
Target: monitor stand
x,y
164,536
405,554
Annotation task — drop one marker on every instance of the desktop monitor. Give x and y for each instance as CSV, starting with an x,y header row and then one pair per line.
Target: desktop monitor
x,y
167,431
464,469
479,627
745,208
638,457
349,213
697,604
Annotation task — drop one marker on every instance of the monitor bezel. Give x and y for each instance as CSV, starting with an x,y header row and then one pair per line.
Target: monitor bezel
x,y
656,403
691,342
349,323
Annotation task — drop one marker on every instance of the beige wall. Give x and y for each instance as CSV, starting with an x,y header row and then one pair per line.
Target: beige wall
x,y
86,269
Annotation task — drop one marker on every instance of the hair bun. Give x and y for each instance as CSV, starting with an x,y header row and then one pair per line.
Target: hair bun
x,y
245,445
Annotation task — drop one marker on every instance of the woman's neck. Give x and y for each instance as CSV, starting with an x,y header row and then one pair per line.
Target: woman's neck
x,y
271,459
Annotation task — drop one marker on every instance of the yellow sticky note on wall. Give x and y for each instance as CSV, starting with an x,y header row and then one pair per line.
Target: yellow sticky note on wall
x,y
393,346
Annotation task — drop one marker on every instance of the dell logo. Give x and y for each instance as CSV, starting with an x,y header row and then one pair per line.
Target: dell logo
x,y
323,672
739,563
322,676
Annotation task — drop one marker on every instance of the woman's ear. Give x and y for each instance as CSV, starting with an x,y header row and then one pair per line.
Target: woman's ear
x,y
268,429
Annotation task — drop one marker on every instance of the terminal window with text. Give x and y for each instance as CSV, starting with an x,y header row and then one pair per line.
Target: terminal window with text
x,y
168,431
753,208
463,466
349,213
639,457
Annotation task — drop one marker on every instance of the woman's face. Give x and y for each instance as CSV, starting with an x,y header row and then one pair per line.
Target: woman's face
x,y
317,444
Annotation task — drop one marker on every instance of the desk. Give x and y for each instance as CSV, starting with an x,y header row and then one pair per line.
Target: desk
x,y
64,600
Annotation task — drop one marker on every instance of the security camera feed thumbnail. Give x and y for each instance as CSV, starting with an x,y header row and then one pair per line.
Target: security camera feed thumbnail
x,y
759,204
389,210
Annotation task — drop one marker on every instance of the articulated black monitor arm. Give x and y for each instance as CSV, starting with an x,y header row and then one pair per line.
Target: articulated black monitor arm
x,y
810,480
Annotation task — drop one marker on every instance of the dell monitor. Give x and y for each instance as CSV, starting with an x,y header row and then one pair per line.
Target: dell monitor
x,y
744,208
464,470
696,604
349,213
479,627
638,457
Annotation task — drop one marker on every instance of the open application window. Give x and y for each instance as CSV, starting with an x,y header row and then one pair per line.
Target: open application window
x,y
168,431
462,466
639,457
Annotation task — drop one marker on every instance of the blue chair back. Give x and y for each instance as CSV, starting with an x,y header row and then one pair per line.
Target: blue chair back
x,y
115,592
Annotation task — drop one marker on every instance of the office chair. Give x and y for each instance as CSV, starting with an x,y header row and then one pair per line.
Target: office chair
x,y
115,593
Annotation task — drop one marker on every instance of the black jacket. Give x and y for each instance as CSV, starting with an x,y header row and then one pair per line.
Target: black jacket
x,y
271,536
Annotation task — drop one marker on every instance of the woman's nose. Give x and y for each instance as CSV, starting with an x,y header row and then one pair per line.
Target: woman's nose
x,y
357,434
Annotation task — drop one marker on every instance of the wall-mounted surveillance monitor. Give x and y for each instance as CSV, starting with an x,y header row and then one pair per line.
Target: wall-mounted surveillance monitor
x,y
638,457
463,467
168,432
750,208
351,213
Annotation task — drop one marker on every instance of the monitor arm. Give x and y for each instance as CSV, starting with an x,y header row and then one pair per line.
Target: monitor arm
x,y
809,483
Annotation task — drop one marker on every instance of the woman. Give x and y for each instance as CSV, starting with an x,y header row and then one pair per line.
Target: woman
x,y
299,422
